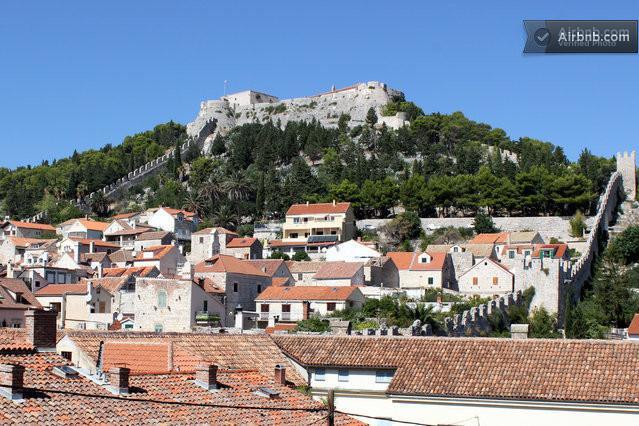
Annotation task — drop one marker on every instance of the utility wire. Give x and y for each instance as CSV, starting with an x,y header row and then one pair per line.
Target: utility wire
x,y
384,418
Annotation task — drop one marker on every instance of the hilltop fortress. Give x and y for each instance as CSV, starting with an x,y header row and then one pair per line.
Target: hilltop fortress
x,y
255,107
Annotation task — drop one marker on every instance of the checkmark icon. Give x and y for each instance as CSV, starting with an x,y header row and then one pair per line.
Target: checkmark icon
x,y
542,36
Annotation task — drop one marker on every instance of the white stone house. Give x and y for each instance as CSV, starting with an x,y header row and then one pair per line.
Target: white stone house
x,y
19,229
167,259
15,300
339,274
174,305
12,249
82,228
487,278
180,222
419,271
76,247
292,304
240,280
124,233
153,238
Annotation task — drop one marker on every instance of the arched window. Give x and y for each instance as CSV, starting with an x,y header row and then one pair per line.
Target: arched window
x,y
162,299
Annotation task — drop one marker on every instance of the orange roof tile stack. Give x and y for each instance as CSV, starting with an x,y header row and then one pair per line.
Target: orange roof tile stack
x,y
318,208
307,293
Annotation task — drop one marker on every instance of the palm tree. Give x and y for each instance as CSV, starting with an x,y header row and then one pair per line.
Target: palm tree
x,y
237,186
81,190
225,217
193,203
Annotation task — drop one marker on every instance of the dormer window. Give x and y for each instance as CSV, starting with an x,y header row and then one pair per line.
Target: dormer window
x,y
424,258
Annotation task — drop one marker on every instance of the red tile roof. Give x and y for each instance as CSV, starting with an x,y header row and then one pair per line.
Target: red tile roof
x,y
307,293
174,212
405,260
14,340
96,242
599,371
26,242
241,242
93,225
153,235
279,281
633,328
219,229
11,286
154,399
137,271
338,270
229,264
490,238
32,225
124,215
158,253
61,289
280,327
268,266
318,208
559,250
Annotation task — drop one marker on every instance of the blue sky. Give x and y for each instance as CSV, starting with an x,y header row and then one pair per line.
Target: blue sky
x,y
80,74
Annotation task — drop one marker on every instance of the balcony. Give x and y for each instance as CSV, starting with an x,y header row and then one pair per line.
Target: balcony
x,y
207,318
285,316
264,316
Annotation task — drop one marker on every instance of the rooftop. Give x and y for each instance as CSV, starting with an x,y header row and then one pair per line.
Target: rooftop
x,y
318,208
598,371
228,264
307,293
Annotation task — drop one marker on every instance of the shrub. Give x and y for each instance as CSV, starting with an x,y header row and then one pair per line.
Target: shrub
x,y
577,225
313,324
300,256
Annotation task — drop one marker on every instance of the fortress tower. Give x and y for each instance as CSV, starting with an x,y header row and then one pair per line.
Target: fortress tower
x,y
627,167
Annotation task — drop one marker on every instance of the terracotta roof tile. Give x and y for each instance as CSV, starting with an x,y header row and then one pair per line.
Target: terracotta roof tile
x,y
153,235
531,369
228,264
32,225
241,242
11,286
93,225
404,260
307,293
318,208
268,266
338,270
633,328
61,289
158,253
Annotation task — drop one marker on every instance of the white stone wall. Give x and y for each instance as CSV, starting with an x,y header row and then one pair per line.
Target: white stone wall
x,y
177,316
484,272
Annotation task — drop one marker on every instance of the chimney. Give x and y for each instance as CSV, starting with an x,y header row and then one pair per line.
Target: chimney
x,y
92,247
519,331
100,273
280,375
305,309
334,203
11,381
239,317
41,328
206,376
307,203
119,380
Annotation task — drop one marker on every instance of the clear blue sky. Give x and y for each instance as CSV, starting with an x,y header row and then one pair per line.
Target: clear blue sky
x,y
80,74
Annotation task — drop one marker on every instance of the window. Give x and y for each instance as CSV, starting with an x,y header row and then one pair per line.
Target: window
x,y
333,232
259,288
511,254
235,287
296,220
431,280
300,277
158,328
37,283
342,375
66,355
527,253
205,306
293,235
128,326
383,376
264,307
62,278
201,240
319,232
330,306
162,299
475,280
320,374
50,276
495,280
286,308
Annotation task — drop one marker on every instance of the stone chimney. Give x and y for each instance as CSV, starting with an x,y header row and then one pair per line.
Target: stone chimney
x,y
41,327
280,375
119,380
334,203
206,376
11,381
519,331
